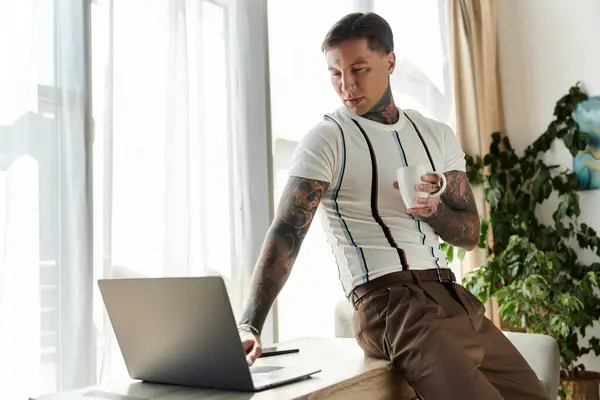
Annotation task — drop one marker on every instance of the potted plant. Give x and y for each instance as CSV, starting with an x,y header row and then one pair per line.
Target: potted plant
x,y
533,270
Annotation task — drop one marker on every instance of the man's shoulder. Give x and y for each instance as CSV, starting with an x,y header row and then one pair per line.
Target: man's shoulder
x,y
324,134
328,128
433,126
418,117
338,113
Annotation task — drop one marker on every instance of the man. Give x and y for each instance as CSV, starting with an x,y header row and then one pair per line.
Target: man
x,y
408,308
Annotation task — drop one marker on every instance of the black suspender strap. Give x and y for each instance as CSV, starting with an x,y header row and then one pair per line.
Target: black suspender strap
x,y
422,141
374,199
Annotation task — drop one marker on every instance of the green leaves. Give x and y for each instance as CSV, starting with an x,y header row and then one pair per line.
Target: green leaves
x,y
493,195
474,170
541,184
483,234
450,252
532,269
567,208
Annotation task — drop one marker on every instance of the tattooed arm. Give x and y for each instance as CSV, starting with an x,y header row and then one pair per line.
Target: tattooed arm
x,y
296,210
456,220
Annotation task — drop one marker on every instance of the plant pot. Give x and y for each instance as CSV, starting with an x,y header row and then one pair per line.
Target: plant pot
x,y
584,387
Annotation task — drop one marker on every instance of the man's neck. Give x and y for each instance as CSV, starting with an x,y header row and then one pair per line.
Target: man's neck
x,y
385,111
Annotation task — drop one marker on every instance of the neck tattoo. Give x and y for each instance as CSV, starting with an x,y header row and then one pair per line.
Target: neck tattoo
x,y
385,111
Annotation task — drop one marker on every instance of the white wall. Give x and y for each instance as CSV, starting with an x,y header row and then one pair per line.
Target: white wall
x,y
546,46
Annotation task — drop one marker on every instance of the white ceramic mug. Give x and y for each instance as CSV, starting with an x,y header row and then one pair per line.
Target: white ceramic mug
x,y
408,179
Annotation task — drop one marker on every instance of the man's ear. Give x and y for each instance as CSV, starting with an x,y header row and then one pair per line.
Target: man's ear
x,y
391,61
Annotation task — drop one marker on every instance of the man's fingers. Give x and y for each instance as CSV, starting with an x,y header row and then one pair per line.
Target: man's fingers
x,y
431,186
253,354
431,178
251,357
418,211
428,207
421,211
248,344
250,360
427,187
427,202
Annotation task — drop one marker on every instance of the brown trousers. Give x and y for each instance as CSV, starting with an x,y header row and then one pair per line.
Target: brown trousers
x,y
438,335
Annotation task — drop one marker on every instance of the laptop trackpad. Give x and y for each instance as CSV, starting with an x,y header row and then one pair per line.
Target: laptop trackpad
x,y
263,369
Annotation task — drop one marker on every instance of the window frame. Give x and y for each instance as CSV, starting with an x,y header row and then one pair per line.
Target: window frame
x,y
228,15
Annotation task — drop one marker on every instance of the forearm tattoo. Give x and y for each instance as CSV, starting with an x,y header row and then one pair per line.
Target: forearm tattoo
x,y
296,211
456,220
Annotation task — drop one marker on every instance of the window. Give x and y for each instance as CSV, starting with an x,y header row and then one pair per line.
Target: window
x,y
164,195
170,133
30,176
422,79
169,110
215,146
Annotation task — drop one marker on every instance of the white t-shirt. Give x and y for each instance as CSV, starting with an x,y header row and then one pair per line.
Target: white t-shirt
x,y
367,225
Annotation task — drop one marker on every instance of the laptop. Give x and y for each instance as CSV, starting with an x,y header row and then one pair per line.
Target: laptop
x,y
182,331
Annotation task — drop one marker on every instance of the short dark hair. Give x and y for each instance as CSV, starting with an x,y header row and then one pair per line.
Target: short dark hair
x,y
359,25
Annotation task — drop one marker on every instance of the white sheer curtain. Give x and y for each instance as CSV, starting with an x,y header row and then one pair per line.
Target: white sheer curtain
x,y
45,225
133,142
169,163
301,93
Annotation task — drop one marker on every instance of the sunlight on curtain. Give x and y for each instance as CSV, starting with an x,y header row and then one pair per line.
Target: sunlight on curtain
x,y
18,39
45,339
166,190
301,94
19,279
163,186
20,364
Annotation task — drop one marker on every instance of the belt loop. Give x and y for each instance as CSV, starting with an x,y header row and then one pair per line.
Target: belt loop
x,y
437,271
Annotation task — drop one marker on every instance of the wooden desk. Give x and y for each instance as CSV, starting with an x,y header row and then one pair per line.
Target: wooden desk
x,y
346,374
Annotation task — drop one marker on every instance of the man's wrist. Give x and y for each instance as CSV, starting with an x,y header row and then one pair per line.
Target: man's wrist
x,y
249,328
